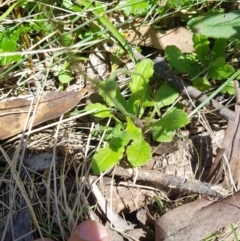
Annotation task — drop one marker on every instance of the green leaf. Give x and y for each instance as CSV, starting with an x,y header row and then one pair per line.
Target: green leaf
x,y
101,8
229,88
140,77
66,39
201,84
166,136
106,158
219,47
134,7
139,87
201,44
166,95
93,31
220,73
218,62
179,61
168,124
134,132
217,25
67,4
110,92
117,130
139,152
76,9
174,119
64,77
102,111
102,128
179,4
138,102
65,74
8,43
120,139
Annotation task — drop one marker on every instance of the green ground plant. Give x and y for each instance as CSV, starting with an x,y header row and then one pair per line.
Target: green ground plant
x,y
208,65
203,67
127,136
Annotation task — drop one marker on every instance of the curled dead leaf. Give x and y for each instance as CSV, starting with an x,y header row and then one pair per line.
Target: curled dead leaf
x,y
14,113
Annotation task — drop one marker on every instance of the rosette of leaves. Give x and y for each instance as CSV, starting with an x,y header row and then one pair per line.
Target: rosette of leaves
x,y
127,140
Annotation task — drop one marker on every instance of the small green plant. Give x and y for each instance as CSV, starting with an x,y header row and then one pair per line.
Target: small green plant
x,y
160,205
204,67
65,73
135,7
208,65
134,118
8,43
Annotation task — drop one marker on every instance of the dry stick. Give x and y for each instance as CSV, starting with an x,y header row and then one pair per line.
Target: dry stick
x,y
160,180
163,71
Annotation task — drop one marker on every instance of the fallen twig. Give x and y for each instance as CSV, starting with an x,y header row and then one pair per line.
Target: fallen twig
x,y
160,180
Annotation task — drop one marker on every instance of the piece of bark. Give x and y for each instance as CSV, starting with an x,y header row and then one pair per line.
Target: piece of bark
x,y
163,71
14,113
230,147
195,221
234,152
161,181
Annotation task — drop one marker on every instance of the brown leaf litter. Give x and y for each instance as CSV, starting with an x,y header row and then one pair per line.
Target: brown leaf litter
x,y
20,113
159,39
194,221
